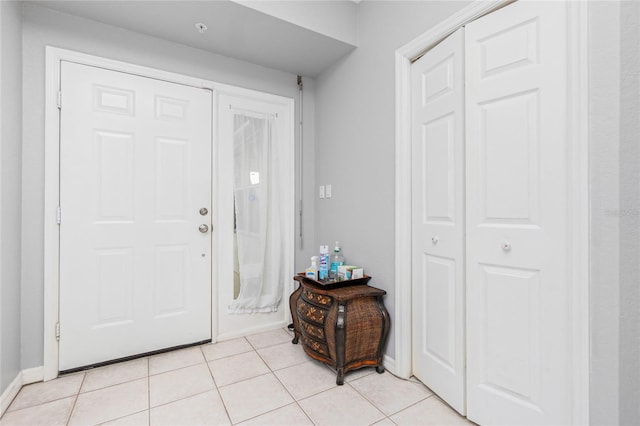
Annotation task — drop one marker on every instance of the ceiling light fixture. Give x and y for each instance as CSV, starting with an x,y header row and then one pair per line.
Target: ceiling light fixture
x,y
201,27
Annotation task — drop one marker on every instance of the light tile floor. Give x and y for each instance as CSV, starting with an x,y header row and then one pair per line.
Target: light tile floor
x,y
259,380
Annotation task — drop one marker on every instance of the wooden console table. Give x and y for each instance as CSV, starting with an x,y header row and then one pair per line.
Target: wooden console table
x,y
343,324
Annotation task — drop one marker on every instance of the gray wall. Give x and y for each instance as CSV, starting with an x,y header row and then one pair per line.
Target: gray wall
x,y
355,139
604,135
45,27
629,328
615,212
10,188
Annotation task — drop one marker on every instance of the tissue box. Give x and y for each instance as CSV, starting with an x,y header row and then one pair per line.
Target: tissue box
x,y
349,272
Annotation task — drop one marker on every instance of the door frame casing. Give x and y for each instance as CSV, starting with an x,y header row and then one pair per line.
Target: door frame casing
x,y
51,281
578,201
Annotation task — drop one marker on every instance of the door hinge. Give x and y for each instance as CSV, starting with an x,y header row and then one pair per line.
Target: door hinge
x,y
58,331
59,100
59,215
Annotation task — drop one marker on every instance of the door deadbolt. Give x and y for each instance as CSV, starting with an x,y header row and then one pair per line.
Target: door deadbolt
x,y
204,211
203,228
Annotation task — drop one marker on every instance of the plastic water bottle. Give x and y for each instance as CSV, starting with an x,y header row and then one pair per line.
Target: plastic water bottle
x,y
337,259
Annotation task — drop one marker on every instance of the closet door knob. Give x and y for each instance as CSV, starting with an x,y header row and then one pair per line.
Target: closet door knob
x,y
435,239
203,228
506,245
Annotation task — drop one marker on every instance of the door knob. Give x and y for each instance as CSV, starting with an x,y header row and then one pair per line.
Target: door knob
x,y
203,228
435,239
204,211
506,245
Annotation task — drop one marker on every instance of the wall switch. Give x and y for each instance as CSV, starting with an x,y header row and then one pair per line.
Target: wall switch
x,y
327,191
321,192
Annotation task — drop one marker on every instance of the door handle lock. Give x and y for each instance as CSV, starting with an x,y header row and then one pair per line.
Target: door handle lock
x,y
203,228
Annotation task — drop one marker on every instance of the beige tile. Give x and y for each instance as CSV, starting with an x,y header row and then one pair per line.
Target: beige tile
x,y
175,359
49,413
385,422
341,405
431,411
269,338
236,368
290,415
250,398
138,419
202,409
305,380
390,393
111,403
38,393
283,355
115,374
178,384
227,348
352,375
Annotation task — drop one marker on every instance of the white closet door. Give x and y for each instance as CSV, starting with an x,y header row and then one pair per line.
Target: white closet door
x,y
517,234
135,170
438,220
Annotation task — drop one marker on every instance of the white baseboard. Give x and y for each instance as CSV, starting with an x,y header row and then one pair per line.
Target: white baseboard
x,y
10,392
253,330
24,377
32,375
390,364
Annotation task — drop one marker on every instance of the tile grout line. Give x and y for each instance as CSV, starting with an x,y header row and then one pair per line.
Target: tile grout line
x,y
56,399
295,400
399,411
181,398
75,401
121,417
411,405
373,404
215,385
273,373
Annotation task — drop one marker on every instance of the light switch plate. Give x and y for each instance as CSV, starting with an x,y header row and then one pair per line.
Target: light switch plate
x,y
321,191
327,191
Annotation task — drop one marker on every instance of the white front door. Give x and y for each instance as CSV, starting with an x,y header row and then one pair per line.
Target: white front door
x,y
438,220
518,311
135,172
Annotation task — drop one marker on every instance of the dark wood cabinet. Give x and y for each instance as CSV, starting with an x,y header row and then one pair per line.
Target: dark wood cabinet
x,y
345,326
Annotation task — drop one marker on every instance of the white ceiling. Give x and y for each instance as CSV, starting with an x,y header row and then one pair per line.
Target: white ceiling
x,y
233,30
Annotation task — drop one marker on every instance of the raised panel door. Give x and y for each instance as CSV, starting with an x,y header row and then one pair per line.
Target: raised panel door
x,y
135,168
438,220
518,346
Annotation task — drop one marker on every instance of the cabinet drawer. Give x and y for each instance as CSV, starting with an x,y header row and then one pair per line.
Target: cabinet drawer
x,y
316,298
312,330
317,347
310,312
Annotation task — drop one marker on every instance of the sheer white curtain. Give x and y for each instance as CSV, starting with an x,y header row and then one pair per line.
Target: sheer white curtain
x,y
257,179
